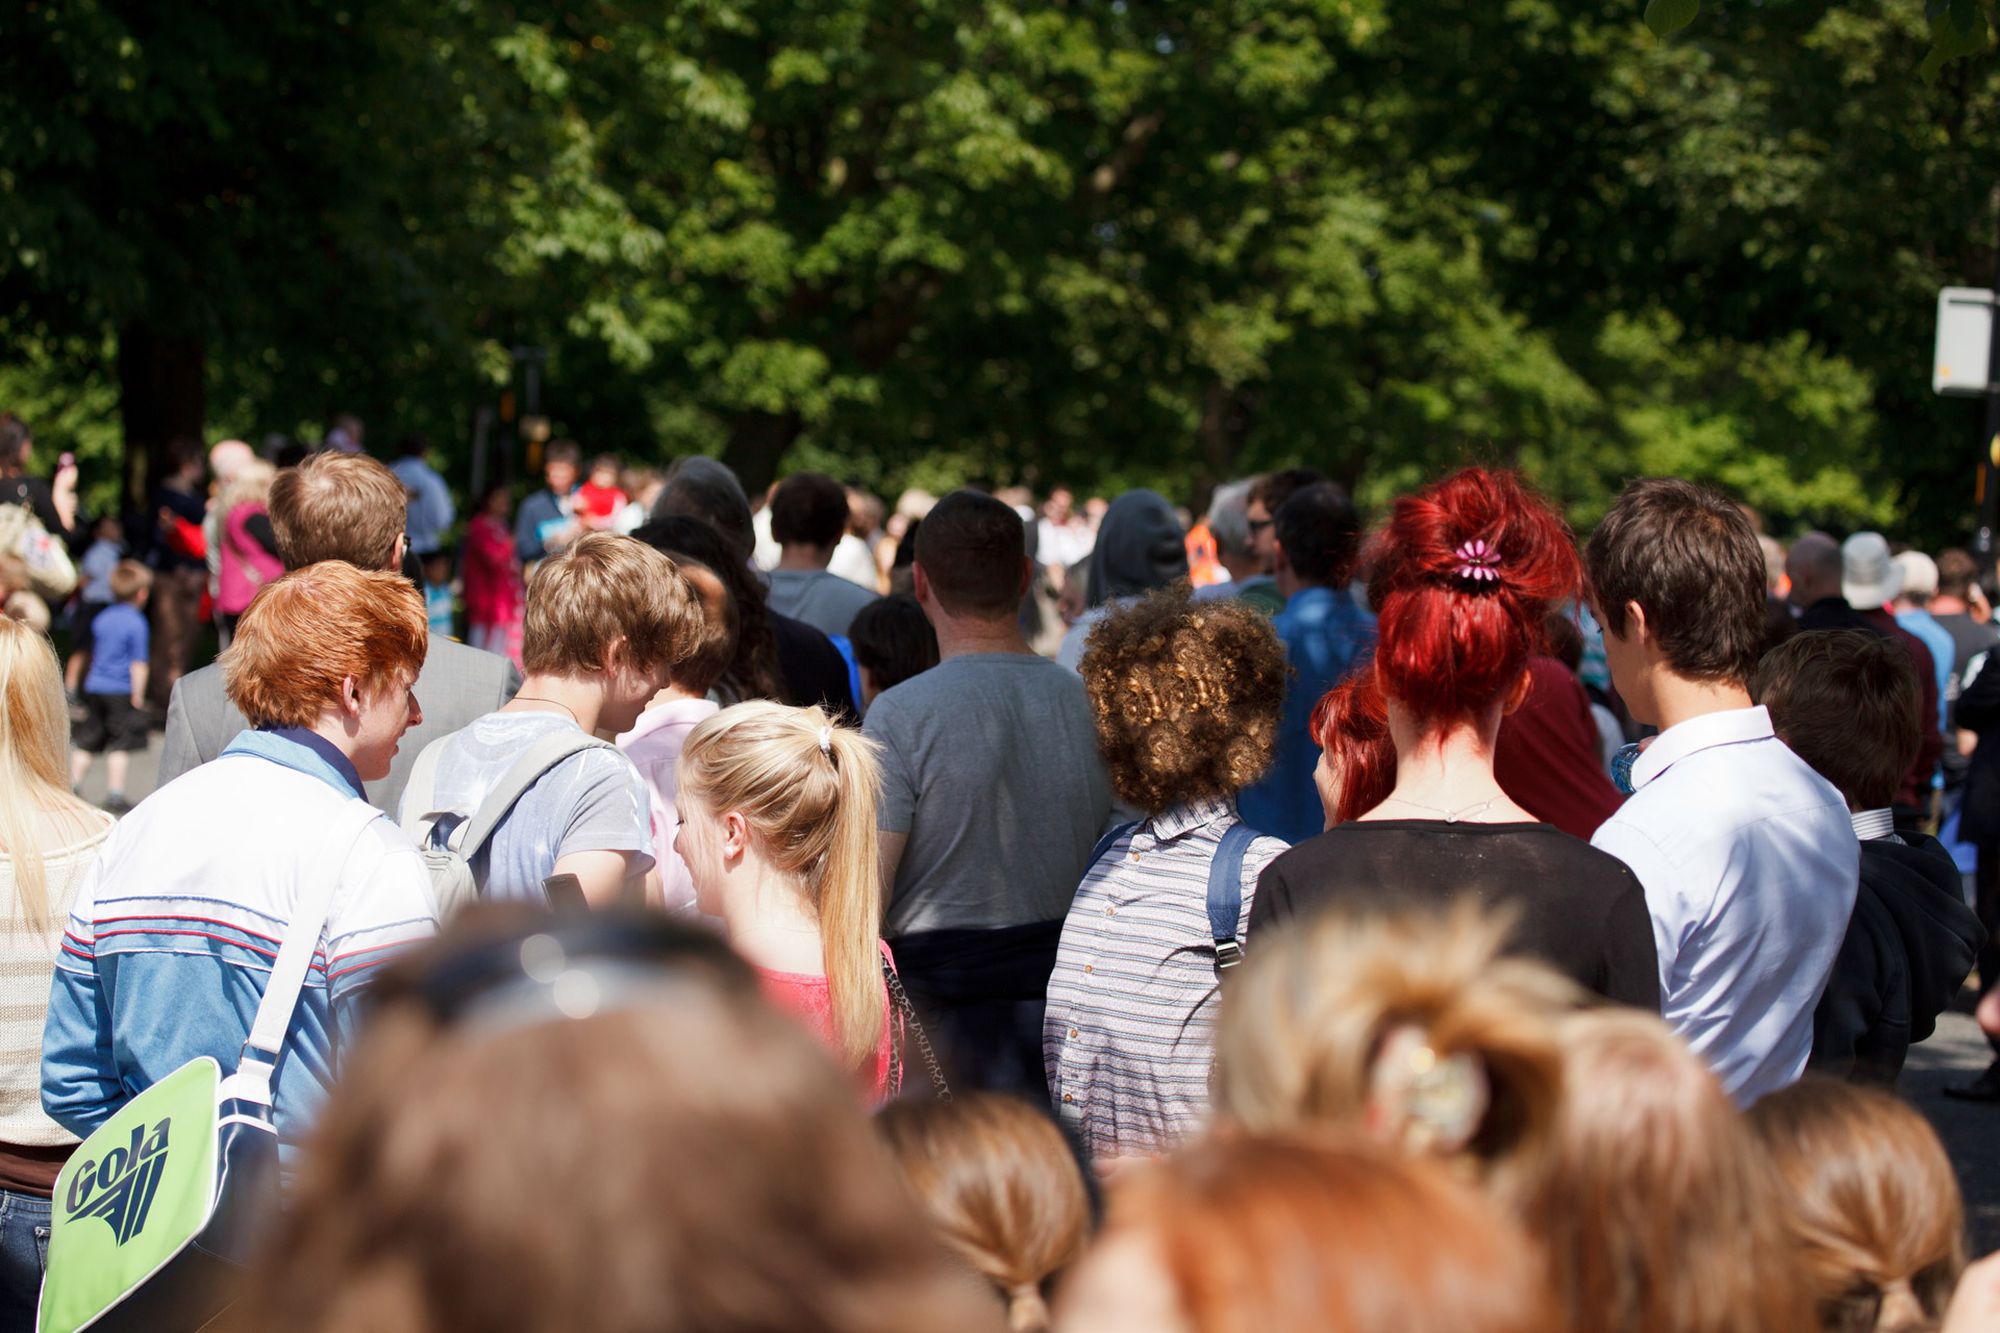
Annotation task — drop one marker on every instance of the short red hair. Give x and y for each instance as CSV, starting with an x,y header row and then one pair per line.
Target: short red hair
x,y
305,633
1351,723
1450,644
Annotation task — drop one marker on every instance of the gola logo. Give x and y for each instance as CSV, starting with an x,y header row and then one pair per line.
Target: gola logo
x,y
119,1186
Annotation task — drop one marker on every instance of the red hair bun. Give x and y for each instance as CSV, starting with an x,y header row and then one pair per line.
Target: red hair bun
x,y
1462,579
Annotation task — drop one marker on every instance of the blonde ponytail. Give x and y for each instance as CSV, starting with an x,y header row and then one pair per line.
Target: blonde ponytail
x,y
809,789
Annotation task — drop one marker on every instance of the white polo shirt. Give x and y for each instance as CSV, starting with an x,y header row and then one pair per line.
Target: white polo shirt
x,y
1750,867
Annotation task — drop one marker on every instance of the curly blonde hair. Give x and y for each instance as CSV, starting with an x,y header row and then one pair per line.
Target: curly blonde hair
x,y
1187,697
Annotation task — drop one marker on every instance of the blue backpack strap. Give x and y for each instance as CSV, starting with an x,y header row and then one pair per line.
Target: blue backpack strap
x,y
1106,843
1225,893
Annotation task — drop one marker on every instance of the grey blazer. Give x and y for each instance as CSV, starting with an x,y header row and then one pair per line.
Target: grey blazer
x,y
458,683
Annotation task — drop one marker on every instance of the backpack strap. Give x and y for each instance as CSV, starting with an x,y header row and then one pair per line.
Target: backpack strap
x,y
302,936
1225,893
1106,843
420,794
525,771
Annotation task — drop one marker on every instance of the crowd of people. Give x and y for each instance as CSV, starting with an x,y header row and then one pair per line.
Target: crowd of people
x,y
796,914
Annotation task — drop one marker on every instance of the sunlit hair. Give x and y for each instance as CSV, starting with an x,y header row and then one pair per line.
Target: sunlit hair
x,y
1302,1035
814,813
1002,1187
1345,1236
682,1160
1871,1202
250,483
34,763
1657,1209
336,506
599,590
1462,578
306,632
128,579
1186,696
1351,723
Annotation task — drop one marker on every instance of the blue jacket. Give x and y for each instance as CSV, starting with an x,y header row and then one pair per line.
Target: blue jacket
x,y
171,939
1325,636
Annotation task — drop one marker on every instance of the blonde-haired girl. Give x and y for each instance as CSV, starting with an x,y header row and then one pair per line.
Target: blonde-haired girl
x,y
48,839
778,832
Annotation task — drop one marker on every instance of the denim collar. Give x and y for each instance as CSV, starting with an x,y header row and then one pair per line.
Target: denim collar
x,y
303,751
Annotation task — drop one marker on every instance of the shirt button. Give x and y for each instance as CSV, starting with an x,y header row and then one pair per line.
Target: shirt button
x,y
1087,967
1073,1032
1132,856
1067,1099
1111,911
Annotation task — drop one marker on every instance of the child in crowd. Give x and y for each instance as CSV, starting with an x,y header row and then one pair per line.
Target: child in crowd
x,y
643,485
1002,1187
655,740
1186,699
893,641
1869,1198
1847,702
114,692
492,576
107,548
599,500
438,608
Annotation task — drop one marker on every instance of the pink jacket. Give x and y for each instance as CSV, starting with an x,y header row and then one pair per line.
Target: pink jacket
x,y
245,566
492,574
654,747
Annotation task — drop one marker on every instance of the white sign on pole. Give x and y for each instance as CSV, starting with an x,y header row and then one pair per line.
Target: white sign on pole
x,y
1964,342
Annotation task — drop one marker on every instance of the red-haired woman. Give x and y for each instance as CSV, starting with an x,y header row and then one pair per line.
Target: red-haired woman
x,y
1463,578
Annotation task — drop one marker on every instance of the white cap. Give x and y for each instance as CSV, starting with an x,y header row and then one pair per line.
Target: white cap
x,y
1920,576
1869,577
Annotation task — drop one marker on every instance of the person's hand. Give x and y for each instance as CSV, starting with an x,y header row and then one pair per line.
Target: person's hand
x,y
65,479
1975,1306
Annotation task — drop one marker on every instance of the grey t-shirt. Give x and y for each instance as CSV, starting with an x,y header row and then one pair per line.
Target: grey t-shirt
x,y
990,765
825,601
591,801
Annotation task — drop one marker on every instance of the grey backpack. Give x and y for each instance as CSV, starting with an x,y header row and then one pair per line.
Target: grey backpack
x,y
449,839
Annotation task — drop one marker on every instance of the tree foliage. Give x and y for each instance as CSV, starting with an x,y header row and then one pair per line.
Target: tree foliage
x,y
1093,240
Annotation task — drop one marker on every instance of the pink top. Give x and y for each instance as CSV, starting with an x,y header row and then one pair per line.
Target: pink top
x,y
654,747
244,566
810,999
492,574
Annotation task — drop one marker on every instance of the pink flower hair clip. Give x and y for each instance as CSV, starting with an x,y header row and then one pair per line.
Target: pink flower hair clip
x,y
1479,564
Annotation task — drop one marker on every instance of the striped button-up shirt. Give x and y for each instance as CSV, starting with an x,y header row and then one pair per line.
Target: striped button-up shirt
x,y
1129,1033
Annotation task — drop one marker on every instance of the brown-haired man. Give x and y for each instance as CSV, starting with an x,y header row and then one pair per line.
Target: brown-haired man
x,y
993,796
342,507
1747,857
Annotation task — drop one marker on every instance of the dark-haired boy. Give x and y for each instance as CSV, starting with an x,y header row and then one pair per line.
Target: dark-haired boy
x,y
808,517
1746,854
114,689
1847,702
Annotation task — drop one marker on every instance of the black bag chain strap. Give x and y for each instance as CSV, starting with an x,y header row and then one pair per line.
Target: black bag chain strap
x,y
915,1026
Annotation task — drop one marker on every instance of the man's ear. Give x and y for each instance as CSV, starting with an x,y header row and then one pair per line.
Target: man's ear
x,y
920,584
402,550
1636,628
1517,694
350,696
1279,559
1027,577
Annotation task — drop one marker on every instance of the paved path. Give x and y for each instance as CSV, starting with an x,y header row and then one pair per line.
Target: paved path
x,y
1970,1130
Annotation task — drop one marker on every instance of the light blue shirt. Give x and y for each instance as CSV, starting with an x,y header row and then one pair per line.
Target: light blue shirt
x,y
1325,635
1944,652
1750,867
430,508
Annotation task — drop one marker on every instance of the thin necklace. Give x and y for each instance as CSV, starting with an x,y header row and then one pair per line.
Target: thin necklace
x,y
1449,816
538,699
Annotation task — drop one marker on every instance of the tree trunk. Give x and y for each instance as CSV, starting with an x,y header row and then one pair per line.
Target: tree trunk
x,y
1225,421
162,396
757,444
